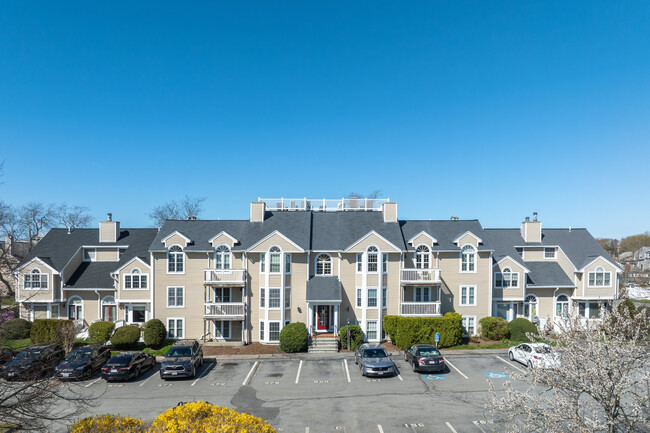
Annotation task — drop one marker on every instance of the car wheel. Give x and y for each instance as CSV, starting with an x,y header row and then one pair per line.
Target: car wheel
x,y
137,373
414,367
193,372
511,356
530,364
405,357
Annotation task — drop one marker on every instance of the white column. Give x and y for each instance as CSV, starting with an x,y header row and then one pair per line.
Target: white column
x,y
336,318
310,316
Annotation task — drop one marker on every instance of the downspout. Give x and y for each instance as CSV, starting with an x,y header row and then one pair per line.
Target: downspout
x,y
246,331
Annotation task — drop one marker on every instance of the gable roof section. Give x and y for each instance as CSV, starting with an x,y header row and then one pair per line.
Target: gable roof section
x,y
224,233
44,260
335,231
129,262
270,235
445,232
187,240
372,233
462,235
546,274
422,233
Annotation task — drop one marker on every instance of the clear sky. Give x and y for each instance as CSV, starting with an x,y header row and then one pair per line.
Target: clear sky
x,y
488,110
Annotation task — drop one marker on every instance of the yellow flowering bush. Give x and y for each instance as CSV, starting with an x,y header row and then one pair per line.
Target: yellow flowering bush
x,y
108,424
202,417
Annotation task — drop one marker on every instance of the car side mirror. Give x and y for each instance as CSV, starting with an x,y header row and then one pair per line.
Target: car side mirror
x,y
390,354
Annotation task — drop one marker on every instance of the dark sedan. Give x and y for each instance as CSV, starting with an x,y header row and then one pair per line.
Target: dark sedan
x,y
33,362
83,362
127,365
424,357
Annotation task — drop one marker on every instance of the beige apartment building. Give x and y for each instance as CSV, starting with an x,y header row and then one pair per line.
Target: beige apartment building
x,y
325,263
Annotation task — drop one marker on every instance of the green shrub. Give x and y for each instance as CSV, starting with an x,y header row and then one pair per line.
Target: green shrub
x,y
125,337
15,329
155,333
405,331
293,338
45,331
493,328
356,336
100,332
519,327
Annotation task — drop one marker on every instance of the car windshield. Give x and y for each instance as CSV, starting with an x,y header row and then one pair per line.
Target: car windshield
x,y
180,351
428,351
543,349
28,354
78,355
120,360
374,353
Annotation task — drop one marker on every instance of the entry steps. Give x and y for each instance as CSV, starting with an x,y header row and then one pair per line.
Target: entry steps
x,y
323,343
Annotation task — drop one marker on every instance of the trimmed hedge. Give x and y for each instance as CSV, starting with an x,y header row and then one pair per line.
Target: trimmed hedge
x,y
494,328
405,331
155,333
45,331
125,337
100,332
293,338
15,329
356,336
519,327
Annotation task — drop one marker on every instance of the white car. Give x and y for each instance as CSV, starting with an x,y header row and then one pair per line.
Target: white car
x,y
535,355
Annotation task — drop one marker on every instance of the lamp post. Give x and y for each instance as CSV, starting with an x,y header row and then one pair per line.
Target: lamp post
x,y
348,329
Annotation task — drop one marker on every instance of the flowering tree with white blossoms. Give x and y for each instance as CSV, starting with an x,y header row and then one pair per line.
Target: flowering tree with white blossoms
x,y
602,384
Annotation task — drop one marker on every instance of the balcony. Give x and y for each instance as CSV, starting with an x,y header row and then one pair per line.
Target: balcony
x,y
225,277
420,276
420,309
224,310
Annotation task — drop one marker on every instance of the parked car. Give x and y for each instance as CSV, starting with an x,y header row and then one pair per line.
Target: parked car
x,y
373,360
424,357
535,355
33,362
127,365
182,360
6,355
83,362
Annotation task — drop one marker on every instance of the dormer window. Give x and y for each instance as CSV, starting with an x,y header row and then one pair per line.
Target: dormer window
x,y
222,257
90,254
323,265
136,280
422,257
549,253
468,259
175,260
35,280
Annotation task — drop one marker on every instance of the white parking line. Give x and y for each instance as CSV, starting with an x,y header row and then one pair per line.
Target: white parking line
x,y
381,430
93,382
347,371
306,429
478,425
452,366
298,374
146,380
194,383
511,365
451,428
250,372
399,376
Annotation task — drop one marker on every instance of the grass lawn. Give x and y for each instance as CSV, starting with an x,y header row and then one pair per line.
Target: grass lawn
x,y
9,301
15,345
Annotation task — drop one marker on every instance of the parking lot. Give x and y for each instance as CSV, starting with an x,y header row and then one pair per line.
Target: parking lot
x,y
314,394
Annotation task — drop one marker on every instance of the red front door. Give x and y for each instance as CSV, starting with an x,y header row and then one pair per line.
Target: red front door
x,y
322,318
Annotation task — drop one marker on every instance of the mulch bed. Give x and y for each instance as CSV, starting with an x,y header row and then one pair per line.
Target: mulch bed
x,y
249,349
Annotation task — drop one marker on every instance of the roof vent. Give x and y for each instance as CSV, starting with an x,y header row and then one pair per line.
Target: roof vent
x,y
454,218
109,217
527,219
534,216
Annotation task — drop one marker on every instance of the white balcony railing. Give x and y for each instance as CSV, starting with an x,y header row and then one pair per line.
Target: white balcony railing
x,y
216,310
224,276
420,308
322,204
420,276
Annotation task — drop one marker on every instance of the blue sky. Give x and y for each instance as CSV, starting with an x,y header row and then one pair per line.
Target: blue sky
x,y
488,110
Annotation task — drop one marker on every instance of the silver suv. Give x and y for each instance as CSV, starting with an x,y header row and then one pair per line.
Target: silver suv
x,y
373,360
182,360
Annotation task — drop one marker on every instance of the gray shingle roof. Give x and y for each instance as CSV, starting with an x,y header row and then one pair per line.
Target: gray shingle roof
x,y
92,275
445,231
333,231
546,274
324,289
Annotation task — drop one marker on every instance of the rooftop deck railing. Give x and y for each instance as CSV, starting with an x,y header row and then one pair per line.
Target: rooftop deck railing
x,y
325,205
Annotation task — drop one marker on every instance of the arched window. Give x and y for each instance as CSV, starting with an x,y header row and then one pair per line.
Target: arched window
x,y
562,306
175,261
109,309
35,280
468,259
75,308
530,307
276,254
136,280
323,265
507,278
600,278
222,257
422,257
372,258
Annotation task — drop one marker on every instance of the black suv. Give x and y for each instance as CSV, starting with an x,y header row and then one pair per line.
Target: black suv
x,y
33,362
182,360
83,362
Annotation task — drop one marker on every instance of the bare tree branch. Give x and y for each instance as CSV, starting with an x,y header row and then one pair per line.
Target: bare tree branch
x,y
188,207
73,217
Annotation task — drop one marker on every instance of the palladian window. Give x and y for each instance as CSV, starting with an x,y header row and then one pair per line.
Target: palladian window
x,y
175,261
323,265
468,259
222,257
422,257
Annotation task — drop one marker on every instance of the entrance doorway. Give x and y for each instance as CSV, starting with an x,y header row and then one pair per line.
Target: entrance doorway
x,y
323,318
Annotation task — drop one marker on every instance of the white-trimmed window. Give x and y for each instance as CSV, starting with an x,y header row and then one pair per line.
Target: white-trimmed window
x,y
562,306
549,253
222,294
175,260
274,298
262,297
176,328
262,336
109,309
35,280
222,257
287,297
468,259
90,254
274,331
506,279
359,263
175,297
371,254
600,278
275,256
371,333
75,308
422,257
323,265
135,313
384,295
589,310
136,280
530,307
372,298
468,295
384,263
222,329
469,325
263,262
287,263
359,298
422,294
